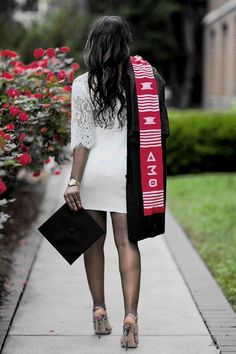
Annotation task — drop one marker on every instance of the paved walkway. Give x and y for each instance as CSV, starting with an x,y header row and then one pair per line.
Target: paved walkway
x,y
55,317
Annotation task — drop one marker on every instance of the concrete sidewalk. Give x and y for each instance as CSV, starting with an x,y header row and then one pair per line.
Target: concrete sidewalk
x,y
55,312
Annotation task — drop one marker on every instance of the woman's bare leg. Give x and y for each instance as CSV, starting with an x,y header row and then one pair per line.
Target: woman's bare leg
x,y
94,261
129,262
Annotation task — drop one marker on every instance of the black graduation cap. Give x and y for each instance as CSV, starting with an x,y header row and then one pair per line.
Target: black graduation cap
x,y
71,232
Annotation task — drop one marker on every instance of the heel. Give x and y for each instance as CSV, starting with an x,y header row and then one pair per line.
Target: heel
x,y
101,324
129,338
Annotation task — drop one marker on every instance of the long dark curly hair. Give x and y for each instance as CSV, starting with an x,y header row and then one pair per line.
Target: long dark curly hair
x,y
106,55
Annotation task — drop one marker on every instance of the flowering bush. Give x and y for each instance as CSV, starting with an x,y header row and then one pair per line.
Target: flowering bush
x,y
34,110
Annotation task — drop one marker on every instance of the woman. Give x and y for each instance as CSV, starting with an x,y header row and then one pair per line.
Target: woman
x,y
99,176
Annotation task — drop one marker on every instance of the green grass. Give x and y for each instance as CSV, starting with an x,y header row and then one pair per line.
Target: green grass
x,y
205,206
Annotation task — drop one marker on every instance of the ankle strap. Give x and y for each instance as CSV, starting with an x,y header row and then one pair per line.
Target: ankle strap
x,y
132,315
98,307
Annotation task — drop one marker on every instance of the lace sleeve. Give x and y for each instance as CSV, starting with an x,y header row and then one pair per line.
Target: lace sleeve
x,y
82,123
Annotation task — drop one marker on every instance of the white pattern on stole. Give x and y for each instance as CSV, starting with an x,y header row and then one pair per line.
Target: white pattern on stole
x,y
146,85
149,120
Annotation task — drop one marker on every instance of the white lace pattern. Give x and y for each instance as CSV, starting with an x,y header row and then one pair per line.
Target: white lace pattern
x,y
82,123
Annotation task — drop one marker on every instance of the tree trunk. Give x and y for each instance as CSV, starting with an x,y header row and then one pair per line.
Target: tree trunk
x,y
189,41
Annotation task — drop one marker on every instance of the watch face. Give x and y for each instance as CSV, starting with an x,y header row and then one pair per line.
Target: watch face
x,y
72,182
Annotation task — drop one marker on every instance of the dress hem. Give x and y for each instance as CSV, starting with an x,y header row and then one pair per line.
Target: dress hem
x,y
104,209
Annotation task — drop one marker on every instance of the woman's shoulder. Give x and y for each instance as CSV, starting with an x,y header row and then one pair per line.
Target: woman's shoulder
x,y
82,77
80,82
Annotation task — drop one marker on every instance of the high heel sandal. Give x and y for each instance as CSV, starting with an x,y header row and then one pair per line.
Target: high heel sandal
x,y
101,323
129,338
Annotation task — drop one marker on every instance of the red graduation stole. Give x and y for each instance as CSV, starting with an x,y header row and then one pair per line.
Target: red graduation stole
x,y
151,163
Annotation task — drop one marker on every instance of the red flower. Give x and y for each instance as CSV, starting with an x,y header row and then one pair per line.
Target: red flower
x,y
25,159
28,93
46,105
33,65
75,66
50,76
43,63
3,187
19,70
7,137
36,173
23,147
51,52
71,76
8,53
67,88
38,53
59,98
9,127
57,172
14,111
21,136
47,160
17,63
65,49
44,130
61,75
19,67
38,95
24,116
2,133
11,92
7,76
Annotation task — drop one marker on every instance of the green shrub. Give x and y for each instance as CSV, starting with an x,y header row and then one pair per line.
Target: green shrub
x,y
201,141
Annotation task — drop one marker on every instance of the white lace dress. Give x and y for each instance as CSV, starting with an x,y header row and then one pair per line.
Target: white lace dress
x,y
103,184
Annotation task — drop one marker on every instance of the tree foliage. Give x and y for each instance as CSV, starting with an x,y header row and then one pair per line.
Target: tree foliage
x,y
166,32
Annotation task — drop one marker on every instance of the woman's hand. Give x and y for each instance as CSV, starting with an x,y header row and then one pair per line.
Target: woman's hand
x,y
72,197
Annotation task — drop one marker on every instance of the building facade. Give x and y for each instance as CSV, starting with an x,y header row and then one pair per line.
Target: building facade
x,y
219,64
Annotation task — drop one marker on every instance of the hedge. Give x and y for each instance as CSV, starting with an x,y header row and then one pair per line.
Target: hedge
x,y
201,141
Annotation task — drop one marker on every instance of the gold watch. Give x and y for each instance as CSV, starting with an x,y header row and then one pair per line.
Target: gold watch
x,y
73,182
